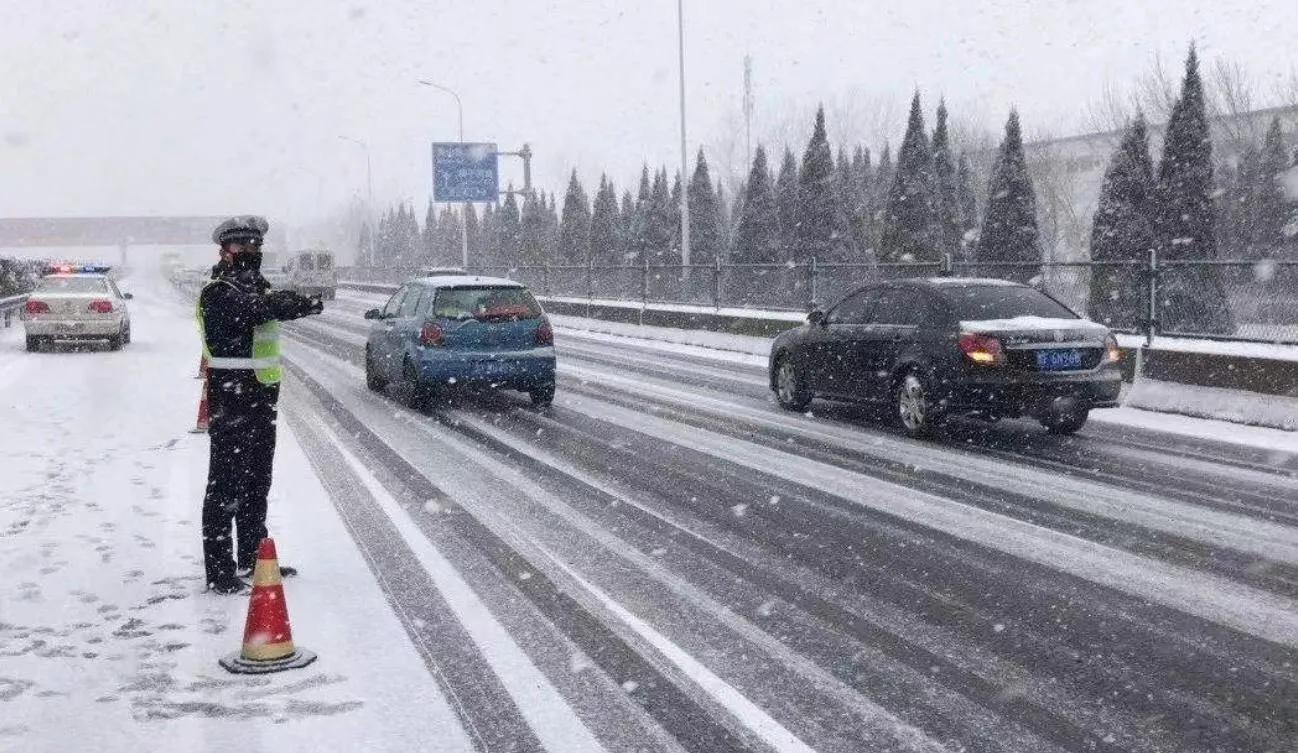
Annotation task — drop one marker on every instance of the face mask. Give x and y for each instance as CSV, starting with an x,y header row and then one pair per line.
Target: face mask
x,y
248,260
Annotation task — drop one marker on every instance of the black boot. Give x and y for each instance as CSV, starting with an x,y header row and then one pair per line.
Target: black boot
x,y
228,585
284,572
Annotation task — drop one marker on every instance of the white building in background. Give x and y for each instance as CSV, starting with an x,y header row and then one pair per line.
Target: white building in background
x,y
1067,173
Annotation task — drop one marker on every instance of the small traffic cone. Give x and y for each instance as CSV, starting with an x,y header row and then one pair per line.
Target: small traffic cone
x,y
202,368
267,637
204,417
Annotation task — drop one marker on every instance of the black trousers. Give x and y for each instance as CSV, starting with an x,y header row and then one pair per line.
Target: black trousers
x,y
242,432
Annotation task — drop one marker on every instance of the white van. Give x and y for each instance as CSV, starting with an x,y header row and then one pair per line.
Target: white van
x,y
311,272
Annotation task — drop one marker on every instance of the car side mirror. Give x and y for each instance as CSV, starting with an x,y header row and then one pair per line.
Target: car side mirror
x,y
816,317
373,314
128,296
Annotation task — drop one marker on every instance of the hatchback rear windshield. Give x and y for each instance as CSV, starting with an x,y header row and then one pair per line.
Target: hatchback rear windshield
x,y
325,261
306,261
72,285
486,304
984,302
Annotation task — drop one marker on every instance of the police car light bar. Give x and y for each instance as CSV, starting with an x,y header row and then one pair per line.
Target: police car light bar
x,y
68,269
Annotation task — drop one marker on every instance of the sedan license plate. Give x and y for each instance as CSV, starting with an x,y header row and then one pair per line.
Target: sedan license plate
x,y
488,369
1059,360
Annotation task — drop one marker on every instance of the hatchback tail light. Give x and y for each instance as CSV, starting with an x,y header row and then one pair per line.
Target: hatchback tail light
x,y
37,307
100,307
982,349
432,335
545,333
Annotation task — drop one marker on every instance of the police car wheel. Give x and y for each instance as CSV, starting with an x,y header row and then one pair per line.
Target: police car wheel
x,y
33,343
126,335
115,342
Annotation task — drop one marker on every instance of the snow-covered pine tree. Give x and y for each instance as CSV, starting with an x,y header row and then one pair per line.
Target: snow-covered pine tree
x,y
757,239
706,233
574,224
908,230
1123,232
1192,299
968,206
1272,210
787,198
604,225
821,231
1009,231
949,228
660,243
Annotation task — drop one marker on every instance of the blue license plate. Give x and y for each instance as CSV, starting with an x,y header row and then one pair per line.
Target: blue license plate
x,y
488,369
1059,360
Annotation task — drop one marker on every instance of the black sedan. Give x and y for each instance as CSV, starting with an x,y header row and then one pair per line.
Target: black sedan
x,y
940,347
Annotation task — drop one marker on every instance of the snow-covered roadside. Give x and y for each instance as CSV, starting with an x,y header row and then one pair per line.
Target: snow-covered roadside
x,y
107,641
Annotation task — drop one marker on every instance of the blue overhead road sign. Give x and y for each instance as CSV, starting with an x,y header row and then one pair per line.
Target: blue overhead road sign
x,y
465,172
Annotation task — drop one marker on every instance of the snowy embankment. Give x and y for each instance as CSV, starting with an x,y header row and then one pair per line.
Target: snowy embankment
x,y
107,640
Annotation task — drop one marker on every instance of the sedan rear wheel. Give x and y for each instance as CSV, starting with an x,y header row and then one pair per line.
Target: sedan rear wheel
x,y
33,343
1066,422
918,414
542,396
790,389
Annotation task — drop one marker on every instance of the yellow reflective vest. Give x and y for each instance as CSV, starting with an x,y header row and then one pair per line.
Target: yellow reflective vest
x,y
264,360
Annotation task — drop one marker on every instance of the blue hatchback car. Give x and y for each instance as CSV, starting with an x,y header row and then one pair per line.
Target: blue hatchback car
x,y
437,333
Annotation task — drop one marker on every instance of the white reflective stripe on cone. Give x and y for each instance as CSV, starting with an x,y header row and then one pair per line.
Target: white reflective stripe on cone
x,y
265,337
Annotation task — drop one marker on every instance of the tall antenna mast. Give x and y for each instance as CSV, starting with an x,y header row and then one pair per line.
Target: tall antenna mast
x,y
748,109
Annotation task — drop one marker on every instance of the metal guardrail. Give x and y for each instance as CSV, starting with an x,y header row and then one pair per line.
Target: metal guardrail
x,y
1235,300
11,305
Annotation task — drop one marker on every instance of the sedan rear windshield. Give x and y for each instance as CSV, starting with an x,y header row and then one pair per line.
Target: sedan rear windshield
x,y
306,261
985,302
72,285
486,304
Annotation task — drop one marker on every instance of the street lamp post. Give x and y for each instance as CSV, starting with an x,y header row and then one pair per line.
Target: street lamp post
x,y
464,213
369,187
685,176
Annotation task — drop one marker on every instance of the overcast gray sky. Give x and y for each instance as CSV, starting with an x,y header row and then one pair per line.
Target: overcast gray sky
x,y
213,107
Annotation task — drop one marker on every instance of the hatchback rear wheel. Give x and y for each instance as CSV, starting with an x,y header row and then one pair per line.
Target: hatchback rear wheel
x,y
372,378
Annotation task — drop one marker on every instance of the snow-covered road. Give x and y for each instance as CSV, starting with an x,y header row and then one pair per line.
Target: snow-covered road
x,y
663,561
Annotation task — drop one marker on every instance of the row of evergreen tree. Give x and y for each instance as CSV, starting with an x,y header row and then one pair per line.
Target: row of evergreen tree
x,y
833,209
1185,213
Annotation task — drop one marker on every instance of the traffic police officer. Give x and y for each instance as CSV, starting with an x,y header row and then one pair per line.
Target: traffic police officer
x,y
238,319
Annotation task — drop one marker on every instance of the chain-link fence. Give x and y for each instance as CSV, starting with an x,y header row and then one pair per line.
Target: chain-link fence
x,y
1225,300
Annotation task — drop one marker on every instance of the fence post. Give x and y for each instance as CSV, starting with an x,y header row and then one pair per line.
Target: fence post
x,y
1151,290
947,267
644,288
545,279
716,284
590,285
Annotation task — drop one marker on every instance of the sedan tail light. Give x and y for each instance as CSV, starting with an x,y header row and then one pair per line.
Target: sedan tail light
x,y
432,335
545,333
100,307
37,307
982,349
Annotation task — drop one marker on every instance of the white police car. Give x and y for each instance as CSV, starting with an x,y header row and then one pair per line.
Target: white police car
x,y
77,302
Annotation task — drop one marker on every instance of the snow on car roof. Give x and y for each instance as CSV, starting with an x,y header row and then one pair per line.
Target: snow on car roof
x,y
469,281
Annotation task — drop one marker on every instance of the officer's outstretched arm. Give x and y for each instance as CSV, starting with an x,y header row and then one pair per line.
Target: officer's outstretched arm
x,y
285,305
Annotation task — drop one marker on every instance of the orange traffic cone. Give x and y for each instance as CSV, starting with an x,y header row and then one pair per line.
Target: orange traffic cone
x,y
267,637
204,418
